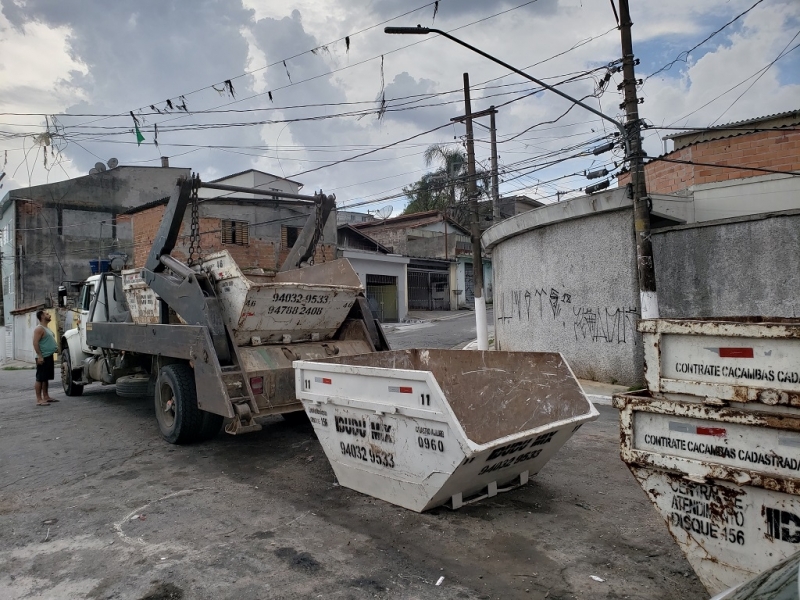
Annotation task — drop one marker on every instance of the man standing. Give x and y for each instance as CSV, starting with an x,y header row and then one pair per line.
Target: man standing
x,y
44,343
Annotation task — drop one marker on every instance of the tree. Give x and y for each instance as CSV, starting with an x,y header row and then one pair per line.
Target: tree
x,y
444,189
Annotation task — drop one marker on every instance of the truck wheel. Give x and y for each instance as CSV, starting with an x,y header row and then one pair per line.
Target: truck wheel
x,y
133,386
211,425
68,375
179,418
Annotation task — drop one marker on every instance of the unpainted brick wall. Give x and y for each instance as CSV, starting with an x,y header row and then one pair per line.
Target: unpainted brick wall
x,y
775,149
259,253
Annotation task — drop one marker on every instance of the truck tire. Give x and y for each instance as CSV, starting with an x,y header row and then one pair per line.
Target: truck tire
x,y
179,418
133,386
211,425
68,375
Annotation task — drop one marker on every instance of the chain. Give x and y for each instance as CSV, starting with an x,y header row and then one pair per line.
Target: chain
x,y
318,232
194,231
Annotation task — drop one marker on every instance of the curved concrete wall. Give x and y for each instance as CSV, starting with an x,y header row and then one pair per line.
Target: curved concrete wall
x,y
570,286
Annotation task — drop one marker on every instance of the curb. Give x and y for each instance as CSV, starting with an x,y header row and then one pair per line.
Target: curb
x,y
601,400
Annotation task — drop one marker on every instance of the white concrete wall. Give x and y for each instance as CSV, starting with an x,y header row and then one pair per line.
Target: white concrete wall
x,y
252,179
368,263
570,287
741,197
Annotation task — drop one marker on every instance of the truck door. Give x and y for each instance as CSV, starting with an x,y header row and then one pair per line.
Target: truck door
x,y
84,303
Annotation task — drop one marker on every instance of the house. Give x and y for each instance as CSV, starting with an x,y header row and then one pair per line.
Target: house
x,y
50,232
726,243
349,217
507,207
258,231
691,176
253,178
440,253
383,274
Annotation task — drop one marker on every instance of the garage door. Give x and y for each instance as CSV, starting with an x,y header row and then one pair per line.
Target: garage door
x,y
382,297
428,290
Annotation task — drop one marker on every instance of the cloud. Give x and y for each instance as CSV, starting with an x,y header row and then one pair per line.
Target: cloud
x,y
93,57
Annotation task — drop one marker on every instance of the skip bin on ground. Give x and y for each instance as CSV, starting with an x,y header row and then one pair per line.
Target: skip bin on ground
x,y
715,441
421,428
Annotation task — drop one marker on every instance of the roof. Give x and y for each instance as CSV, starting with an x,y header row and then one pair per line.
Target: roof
x,y
349,228
411,220
735,128
255,171
145,206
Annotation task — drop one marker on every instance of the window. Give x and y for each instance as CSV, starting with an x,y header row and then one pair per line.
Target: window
x,y
8,286
289,235
5,234
275,197
87,293
236,232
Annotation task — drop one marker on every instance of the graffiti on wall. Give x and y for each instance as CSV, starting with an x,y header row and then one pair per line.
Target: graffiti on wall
x,y
611,324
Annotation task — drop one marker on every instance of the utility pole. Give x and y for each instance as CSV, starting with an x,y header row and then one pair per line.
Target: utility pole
x,y
495,175
477,261
641,209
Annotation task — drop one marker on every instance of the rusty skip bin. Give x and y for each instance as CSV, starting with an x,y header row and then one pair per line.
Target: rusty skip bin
x,y
715,441
422,428
731,359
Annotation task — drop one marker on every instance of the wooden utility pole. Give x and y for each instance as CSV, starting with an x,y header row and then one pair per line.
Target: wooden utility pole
x,y
495,175
477,261
641,203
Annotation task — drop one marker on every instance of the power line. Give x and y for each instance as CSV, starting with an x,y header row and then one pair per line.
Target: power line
x,y
764,72
720,166
685,54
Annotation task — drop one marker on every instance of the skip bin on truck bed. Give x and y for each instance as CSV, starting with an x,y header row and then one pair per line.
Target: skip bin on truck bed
x,y
715,442
421,428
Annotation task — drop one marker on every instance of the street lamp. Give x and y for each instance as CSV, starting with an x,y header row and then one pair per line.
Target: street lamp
x,y
419,30
630,136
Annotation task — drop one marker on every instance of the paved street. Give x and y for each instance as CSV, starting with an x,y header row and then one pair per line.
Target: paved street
x,y
93,504
454,329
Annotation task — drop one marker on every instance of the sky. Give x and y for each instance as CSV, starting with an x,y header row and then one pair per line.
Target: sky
x,y
318,93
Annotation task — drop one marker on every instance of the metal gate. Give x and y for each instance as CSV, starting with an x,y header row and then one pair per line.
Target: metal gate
x,y
382,297
428,290
469,285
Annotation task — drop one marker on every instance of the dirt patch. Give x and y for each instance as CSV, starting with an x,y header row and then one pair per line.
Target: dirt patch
x,y
163,591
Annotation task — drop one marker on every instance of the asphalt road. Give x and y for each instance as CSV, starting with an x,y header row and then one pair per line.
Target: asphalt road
x,y
454,330
94,504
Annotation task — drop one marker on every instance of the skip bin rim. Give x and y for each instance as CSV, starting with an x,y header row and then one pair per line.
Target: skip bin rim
x,y
629,403
430,379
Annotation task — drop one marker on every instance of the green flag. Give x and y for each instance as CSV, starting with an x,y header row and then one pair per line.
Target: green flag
x,y
139,136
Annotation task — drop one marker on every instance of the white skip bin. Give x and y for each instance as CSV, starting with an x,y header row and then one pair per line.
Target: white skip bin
x,y
421,428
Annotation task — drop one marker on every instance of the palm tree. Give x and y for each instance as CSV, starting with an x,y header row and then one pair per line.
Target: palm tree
x,y
446,188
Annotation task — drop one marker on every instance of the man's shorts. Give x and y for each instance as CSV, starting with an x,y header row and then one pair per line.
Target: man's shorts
x,y
46,370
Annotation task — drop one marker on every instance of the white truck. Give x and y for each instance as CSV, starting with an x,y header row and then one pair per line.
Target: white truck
x,y
209,342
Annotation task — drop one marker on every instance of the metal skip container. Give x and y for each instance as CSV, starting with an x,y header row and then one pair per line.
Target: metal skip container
x,y
715,441
422,428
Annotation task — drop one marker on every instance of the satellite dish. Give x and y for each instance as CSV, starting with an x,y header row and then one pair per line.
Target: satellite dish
x,y
93,171
384,212
100,167
117,263
113,163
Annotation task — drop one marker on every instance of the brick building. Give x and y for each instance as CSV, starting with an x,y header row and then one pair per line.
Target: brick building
x,y
258,231
695,169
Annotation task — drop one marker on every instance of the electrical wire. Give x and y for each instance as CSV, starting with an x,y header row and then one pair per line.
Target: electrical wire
x,y
683,56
